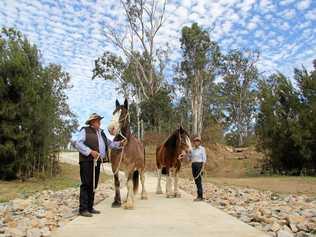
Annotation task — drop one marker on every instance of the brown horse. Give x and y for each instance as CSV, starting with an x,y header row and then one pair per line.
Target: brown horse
x,y
169,156
130,159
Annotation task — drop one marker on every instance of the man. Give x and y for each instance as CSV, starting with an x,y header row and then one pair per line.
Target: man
x,y
198,159
92,144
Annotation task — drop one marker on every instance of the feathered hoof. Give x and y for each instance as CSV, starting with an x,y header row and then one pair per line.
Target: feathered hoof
x,y
170,195
144,196
128,206
159,192
177,195
116,204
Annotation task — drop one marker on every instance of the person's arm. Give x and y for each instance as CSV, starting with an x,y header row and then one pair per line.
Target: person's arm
x,y
203,155
189,156
115,145
79,144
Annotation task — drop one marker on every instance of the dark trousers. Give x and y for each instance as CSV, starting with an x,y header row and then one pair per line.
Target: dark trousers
x,y
196,169
86,198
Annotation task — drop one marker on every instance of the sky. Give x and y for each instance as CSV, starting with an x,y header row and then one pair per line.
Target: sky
x,y
71,33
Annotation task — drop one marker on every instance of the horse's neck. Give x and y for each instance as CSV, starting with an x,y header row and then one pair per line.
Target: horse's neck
x,y
125,132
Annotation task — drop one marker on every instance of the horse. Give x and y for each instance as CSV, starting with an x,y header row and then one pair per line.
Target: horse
x,y
130,159
169,156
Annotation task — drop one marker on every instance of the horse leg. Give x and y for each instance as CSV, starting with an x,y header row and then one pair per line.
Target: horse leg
x,y
117,198
169,184
129,204
142,180
176,191
159,189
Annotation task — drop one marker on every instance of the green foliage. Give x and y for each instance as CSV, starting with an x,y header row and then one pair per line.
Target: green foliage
x,y
34,117
286,122
237,95
157,111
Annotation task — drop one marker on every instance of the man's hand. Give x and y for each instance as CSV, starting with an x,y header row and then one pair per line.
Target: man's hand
x,y
123,142
95,154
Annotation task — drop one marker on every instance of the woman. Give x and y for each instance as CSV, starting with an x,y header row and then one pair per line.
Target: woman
x,y
198,159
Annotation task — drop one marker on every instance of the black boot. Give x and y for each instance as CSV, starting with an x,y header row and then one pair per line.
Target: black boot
x,y
85,214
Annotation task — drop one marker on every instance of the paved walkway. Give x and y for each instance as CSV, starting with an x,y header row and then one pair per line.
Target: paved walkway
x,y
158,217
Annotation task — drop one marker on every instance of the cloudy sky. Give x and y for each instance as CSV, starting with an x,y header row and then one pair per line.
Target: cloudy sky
x,y
70,33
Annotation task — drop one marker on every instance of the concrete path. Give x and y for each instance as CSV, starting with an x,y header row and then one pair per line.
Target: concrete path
x,y
158,217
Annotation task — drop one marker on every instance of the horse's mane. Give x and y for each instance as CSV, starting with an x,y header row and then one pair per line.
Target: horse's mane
x,y
171,141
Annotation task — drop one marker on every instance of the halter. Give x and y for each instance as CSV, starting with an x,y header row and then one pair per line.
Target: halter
x,y
121,120
122,152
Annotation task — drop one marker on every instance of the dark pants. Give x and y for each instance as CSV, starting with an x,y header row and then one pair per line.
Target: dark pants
x,y
86,198
196,169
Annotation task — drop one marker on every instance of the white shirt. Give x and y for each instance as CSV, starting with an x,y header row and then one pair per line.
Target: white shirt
x,y
197,155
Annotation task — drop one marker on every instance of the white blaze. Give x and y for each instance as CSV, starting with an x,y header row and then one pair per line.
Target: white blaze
x,y
114,125
188,142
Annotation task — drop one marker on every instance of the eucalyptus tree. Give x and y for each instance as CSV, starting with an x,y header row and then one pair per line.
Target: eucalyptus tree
x,y
238,92
136,41
199,65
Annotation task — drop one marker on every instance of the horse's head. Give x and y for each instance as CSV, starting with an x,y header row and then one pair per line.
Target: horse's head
x,y
120,118
183,141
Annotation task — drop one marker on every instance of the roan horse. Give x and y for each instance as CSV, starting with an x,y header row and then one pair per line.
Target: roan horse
x,y
130,159
169,156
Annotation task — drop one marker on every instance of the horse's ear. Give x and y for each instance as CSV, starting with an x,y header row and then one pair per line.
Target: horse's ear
x,y
117,103
126,103
181,128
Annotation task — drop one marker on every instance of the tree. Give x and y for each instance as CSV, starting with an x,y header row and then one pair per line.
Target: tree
x,y
286,122
140,75
137,41
237,92
157,111
35,120
200,60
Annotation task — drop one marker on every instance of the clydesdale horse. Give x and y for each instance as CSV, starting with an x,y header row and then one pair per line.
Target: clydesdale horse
x,y
169,156
130,159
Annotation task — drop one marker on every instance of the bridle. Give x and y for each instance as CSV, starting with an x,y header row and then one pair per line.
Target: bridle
x,y
127,116
124,137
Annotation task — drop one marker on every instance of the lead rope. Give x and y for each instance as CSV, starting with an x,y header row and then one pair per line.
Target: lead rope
x,y
94,166
200,173
122,153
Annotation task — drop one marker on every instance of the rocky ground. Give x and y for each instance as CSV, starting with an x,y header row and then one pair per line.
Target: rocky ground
x,y
280,216
39,214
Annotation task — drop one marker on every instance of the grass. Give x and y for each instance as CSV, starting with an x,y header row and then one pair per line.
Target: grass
x,y
69,177
278,184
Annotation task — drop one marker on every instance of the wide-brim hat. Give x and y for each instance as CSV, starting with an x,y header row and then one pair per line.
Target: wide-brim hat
x,y
197,138
93,116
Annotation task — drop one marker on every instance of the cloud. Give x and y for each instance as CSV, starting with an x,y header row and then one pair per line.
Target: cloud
x,y
70,33
303,4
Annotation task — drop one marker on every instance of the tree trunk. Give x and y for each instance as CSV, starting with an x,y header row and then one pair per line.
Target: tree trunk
x,y
194,114
138,120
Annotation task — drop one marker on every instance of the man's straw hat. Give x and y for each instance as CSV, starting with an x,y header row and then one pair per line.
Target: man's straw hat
x,y
197,138
93,116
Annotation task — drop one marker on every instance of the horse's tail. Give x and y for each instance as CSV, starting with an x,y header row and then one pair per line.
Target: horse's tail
x,y
135,181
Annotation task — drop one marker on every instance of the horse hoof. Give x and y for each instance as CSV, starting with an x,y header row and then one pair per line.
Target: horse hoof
x,y
177,195
128,206
116,204
170,196
144,197
159,192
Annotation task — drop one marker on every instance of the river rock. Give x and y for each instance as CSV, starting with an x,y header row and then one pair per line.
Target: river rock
x,y
285,232
34,232
20,204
